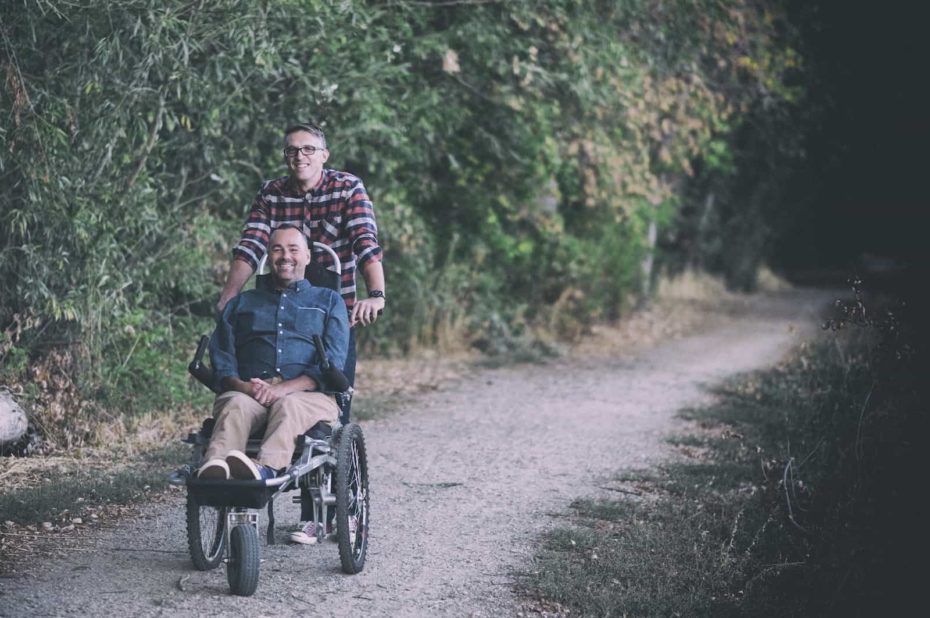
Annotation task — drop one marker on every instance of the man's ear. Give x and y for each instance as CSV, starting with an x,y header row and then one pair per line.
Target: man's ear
x,y
325,155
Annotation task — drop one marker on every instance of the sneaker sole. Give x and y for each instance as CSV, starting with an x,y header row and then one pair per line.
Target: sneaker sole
x,y
214,470
303,538
241,467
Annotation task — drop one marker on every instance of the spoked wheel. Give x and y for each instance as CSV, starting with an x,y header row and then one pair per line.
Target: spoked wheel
x,y
351,480
206,534
242,569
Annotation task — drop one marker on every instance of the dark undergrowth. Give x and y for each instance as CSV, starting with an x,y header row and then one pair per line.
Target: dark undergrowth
x,y
799,496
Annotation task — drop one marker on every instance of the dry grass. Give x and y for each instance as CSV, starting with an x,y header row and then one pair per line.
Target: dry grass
x,y
423,370
768,281
691,285
684,304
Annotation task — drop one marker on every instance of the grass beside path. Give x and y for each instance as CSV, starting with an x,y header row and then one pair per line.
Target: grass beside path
x,y
798,495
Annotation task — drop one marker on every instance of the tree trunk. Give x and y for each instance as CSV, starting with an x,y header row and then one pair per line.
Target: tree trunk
x,y
647,264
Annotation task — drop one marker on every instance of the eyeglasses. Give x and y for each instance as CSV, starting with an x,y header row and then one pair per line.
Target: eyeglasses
x,y
308,151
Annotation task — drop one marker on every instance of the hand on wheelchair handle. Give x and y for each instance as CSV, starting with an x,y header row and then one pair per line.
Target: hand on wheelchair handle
x,y
364,313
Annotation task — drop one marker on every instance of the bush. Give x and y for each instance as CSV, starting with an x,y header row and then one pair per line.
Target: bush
x,y
521,155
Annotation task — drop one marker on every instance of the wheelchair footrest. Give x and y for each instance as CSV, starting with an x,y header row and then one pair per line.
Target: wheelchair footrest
x,y
246,494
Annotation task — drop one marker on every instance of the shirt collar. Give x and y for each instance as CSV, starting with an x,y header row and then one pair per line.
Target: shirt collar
x,y
295,188
298,286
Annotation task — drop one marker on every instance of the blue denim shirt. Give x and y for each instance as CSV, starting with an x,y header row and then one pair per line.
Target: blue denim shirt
x,y
265,333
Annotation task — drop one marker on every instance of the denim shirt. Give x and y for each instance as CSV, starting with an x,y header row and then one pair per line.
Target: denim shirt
x,y
265,333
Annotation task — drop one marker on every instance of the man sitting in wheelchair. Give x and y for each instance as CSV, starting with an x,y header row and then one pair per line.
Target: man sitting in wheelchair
x,y
267,366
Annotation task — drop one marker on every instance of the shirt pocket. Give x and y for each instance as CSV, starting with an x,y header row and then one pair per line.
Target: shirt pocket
x,y
325,225
310,321
255,323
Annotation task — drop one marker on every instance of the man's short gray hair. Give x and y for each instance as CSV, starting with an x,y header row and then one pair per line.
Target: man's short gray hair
x,y
307,127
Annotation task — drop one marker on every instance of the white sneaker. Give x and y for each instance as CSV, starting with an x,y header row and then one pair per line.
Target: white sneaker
x,y
241,467
305,533
215,469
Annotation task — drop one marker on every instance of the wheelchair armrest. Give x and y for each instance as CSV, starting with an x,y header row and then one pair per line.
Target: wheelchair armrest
x,y
333,376
201,372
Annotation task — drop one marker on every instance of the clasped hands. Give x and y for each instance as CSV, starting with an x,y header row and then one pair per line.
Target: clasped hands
x,y
265,393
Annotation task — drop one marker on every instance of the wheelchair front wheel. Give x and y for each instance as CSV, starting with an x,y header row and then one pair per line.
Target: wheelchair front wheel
x,y
242,569
351,480
206,534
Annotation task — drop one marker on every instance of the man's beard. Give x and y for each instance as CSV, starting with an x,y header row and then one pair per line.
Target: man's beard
x,y
282,280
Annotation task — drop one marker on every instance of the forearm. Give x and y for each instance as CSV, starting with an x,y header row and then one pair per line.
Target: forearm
x,y
232,383
300,383
366,310
373,272
239,273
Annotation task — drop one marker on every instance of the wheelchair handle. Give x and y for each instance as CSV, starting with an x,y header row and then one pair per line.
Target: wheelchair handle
x,y
201,348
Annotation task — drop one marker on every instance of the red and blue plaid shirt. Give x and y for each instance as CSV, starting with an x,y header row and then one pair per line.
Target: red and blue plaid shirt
x,y
337,212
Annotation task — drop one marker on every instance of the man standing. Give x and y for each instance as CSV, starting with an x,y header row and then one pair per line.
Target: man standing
x,y
330,207
264,358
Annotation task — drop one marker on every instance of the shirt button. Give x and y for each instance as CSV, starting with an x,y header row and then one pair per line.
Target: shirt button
x,y
283,295
279,350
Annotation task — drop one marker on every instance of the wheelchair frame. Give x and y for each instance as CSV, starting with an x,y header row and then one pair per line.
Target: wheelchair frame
x,y
329,468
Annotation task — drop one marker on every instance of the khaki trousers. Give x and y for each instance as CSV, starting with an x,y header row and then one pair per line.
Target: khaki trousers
x,y
238,416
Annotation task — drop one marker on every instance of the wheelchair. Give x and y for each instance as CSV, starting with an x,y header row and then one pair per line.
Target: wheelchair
x,y
329,469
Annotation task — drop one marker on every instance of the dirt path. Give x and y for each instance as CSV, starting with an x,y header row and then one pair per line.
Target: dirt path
x,y
462,485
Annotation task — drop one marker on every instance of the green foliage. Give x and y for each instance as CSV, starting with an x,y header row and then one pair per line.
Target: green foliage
x,y
148,363
14,359
520,154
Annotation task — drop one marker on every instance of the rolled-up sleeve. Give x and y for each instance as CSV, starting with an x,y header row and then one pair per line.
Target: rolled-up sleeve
x,y
361,226
253,242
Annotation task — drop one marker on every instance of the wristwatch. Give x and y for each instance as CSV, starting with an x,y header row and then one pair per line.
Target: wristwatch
x,y
375,294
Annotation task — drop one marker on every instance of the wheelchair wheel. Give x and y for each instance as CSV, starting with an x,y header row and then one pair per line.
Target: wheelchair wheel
x,y
242,568
206,534
351,480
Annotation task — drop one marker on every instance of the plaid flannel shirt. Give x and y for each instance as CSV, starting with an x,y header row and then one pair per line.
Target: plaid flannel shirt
x,y
337,212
